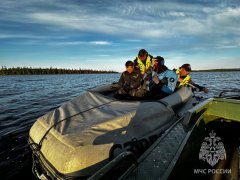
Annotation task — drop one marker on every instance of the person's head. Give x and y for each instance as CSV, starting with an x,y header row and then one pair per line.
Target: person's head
x,y
129,66
160,60
162,68
142,54
185,70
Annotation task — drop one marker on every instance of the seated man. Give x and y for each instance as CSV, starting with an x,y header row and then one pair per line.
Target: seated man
x,y
130,81
164,82
184,78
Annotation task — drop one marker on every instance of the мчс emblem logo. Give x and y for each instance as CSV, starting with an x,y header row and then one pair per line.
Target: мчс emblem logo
x,y
212,149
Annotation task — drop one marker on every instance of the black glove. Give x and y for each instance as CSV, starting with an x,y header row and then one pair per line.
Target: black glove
x,y
164,81
126,87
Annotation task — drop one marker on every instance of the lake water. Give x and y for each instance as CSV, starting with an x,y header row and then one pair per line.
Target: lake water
x,y
25,98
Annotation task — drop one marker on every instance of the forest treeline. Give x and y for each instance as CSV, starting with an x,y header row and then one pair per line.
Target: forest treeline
x,y
38,71
218,70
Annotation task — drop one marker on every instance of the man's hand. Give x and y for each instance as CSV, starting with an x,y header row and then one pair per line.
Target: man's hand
x,y
155,80
180,80
205,90
154,62
126,86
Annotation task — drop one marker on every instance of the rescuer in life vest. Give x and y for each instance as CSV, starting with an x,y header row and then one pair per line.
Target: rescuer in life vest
x,y
145,61
146,64
184,78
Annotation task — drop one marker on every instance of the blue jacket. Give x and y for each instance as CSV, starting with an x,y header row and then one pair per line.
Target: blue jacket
x,y
172,78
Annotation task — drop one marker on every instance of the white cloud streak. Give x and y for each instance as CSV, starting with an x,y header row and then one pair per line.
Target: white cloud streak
x,y
131,19
100,42
155,27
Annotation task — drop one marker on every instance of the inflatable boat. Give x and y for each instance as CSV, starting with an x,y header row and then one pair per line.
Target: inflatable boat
x,y
83,135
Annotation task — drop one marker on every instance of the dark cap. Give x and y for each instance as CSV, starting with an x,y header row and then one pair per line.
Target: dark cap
x,y
187,67
142,52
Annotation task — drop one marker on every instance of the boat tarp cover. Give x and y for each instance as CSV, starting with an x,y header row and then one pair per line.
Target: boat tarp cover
x,y
84,129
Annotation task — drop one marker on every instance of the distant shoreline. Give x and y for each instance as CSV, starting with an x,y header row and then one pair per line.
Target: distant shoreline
x,y
54,71
49,71
217,70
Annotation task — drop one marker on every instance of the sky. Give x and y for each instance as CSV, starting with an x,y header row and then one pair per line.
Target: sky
x,y
104,34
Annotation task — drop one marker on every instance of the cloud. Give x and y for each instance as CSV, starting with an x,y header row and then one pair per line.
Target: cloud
x,y
151,19
25,36
66,43
73,43
104,55
177,14
226,20
227,47
133,40
100,42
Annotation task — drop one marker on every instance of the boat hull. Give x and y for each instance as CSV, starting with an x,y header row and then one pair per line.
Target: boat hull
x,y
203,145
